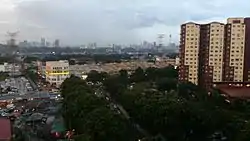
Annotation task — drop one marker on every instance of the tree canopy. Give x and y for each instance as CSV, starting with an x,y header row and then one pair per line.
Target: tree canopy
x,y
90,116
155,100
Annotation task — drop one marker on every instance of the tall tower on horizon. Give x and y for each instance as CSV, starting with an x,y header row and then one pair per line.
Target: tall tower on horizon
x,y
43,42
57,43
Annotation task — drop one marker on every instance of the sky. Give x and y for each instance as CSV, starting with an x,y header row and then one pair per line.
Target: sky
x,y
77,22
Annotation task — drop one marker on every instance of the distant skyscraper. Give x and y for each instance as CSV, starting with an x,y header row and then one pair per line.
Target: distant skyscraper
x,y
57,43
154,44
43,42
47,44
24,44
94,45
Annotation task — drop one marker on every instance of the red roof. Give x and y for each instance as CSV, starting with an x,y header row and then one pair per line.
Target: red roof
x,y
5,130
239,92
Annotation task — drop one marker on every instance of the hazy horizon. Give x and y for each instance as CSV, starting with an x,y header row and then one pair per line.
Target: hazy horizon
x,y
109,21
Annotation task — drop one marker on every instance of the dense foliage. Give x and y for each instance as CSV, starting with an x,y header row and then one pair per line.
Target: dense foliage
x,y
158,103
32,74
91,116
3,76
178,112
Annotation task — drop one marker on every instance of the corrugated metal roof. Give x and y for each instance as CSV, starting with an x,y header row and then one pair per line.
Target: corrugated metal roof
x,y
5,130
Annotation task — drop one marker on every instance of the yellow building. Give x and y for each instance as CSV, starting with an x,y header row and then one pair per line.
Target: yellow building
x,y
57,71
189,53
236,49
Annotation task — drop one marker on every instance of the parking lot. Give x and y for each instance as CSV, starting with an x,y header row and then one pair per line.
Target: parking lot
x,y
19,85
31,112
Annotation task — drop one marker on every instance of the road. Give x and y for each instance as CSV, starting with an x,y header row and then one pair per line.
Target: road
x,y
125,114
32,83
28,95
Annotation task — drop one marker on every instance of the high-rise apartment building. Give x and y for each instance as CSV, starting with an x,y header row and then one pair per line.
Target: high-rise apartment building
x,y
189,52
235,49
211,53
215,52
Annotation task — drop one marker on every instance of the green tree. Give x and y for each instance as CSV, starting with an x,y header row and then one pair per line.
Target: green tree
x,y
114,86
124,77
138,75
166,84
29,59
95,76
189,116
90,116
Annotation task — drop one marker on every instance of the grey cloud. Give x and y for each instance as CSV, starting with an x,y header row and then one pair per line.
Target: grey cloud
x,y
79,21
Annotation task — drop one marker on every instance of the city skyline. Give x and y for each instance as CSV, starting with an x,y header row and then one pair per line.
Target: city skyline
x,y
124,22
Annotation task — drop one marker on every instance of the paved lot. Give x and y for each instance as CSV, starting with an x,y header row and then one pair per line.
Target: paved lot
x,y
19,85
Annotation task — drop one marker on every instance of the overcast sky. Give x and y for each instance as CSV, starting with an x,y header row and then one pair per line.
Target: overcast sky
x,y
110,21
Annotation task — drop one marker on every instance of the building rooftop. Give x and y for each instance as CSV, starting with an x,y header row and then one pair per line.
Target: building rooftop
x,y
5,130
57,63
236,92
234,89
